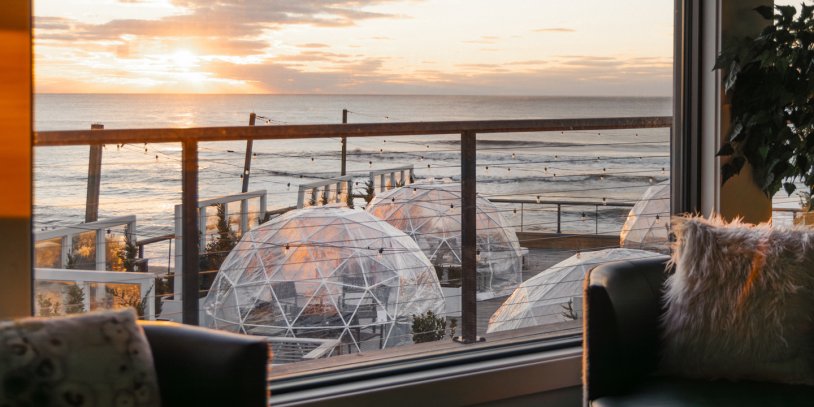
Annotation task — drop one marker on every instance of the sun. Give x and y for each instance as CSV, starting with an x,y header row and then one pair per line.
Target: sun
x,y
183,60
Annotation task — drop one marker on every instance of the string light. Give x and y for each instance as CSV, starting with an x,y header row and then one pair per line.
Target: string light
x,y
514,156
604,201
538,198
369,164
583,217
286,248
477,256
662,170
288,186
381,251
651,180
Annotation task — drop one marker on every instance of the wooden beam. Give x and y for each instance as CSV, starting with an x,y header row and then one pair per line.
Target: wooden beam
x,y
15,174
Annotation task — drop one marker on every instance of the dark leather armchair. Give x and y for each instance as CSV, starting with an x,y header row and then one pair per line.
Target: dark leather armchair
x,y
204,367
622,306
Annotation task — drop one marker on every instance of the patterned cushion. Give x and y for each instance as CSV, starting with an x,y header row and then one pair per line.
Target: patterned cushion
x,y
96,359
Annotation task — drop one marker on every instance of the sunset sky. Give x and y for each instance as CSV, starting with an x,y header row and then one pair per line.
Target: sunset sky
x,y
512,47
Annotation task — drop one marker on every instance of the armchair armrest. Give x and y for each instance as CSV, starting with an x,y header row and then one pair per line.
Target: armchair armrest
x,y
622,306
205,367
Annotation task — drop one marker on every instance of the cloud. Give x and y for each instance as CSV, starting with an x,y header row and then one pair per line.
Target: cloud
x,y
313,45
572,75
484,39
226,21
555,30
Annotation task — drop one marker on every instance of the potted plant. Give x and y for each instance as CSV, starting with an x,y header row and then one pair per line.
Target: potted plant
x,y
770,81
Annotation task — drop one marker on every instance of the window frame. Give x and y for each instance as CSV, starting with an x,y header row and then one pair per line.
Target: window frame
x,y
538,364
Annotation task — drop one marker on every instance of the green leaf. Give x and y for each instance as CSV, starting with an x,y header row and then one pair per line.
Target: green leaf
x,y
765,11
725,150
732,77
789,187
763,151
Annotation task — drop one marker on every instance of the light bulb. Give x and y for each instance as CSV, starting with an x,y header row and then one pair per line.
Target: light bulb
x,y
369,164
156,157
662,170
514,156
379,256
604,201
538,198
658,219
286,248
583,217
652,180
477,256
509,169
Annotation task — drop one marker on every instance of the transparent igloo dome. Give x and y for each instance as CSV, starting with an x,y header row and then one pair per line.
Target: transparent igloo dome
x,y
430,213
555,295
325,273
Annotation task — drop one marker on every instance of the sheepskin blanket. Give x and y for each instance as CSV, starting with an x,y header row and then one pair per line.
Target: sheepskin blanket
x,y
739,302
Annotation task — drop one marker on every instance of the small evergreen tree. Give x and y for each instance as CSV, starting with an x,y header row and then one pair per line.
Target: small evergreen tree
x,y
74,298
569,312
70,261
370,191
216,251
428,327
128,253
48,308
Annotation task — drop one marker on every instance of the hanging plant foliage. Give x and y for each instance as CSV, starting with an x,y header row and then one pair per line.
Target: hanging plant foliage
x,y
770,81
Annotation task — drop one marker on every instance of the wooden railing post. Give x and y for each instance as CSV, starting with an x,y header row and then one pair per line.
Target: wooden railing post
x,y
469,265
94,178
190,242
344,144
559,218
247,163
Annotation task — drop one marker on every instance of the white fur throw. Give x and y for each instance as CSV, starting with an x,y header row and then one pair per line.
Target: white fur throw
x,y
739,303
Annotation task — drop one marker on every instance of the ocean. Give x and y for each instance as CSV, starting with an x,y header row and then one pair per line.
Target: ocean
x,y
145,180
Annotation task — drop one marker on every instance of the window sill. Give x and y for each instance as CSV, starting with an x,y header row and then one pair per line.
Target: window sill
x,y
467,384
511,364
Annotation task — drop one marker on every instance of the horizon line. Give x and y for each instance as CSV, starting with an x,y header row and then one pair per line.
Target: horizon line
x,y
351,94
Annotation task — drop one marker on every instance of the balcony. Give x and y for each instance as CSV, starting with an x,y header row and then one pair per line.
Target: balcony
x,y
565,208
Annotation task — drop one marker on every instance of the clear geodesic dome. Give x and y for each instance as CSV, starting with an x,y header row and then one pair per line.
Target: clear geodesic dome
x,y
430,213
648,224
555,295
326,273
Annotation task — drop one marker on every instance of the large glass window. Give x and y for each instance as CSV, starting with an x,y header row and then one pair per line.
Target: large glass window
x,y
342,249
